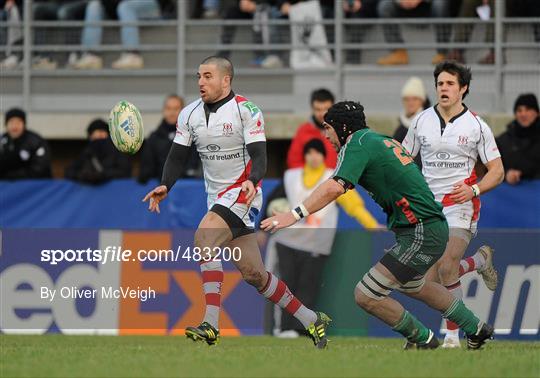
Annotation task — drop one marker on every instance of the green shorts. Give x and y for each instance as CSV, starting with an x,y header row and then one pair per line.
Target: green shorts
x,y
417,249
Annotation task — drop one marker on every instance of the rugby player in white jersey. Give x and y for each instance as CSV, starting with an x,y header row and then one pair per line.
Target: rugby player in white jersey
x,y
450,139
228,131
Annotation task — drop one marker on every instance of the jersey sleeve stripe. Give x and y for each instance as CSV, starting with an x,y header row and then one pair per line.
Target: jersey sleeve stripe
x,y
481,137
187,122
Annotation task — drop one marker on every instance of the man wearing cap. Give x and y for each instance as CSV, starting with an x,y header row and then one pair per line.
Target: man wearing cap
x,y
100,161
23,153
414,100
520,143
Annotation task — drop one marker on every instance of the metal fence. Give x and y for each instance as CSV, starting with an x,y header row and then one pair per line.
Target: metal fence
x,y
177,45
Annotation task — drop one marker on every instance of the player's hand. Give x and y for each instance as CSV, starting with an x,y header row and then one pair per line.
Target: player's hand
x,y
155,196
250,191
278,221
462,193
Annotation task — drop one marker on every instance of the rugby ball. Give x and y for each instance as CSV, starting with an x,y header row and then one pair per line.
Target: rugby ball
x,y
279,205
126,127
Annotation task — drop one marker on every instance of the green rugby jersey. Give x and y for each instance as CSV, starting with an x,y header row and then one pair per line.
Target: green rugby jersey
x,y
382,166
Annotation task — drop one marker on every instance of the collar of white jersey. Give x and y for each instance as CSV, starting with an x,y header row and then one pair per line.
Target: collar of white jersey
x,y
213,108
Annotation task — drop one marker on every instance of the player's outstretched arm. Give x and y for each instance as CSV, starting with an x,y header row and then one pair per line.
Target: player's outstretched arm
x,y
324,194
172,171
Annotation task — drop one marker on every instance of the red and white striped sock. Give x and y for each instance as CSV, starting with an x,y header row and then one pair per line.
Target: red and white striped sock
x,y
212,276
470,264
277,292
466,265
451,327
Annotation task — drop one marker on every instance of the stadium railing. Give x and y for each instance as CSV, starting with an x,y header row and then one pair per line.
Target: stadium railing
x,y
173,49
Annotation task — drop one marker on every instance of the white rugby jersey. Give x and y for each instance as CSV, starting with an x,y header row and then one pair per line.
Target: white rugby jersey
x,y
449,152
221,142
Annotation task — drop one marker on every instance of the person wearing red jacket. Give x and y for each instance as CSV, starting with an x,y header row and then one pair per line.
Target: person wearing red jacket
x,y
321,100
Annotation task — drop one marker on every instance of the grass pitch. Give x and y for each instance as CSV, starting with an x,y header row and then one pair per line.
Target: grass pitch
x,y
153,356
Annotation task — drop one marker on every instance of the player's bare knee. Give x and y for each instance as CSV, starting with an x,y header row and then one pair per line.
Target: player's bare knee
x,y
365,302
448,269
372,288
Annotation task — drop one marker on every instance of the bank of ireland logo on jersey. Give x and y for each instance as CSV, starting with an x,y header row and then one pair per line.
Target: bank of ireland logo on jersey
x,y
227,129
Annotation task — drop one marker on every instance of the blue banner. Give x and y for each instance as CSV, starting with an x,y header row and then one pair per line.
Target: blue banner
x,y
117,205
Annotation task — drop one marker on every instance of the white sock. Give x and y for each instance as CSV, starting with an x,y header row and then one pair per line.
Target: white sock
x,y
452,333
479,260
277,292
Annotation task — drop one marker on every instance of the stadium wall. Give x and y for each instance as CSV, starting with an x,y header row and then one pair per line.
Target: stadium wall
x,y
82,221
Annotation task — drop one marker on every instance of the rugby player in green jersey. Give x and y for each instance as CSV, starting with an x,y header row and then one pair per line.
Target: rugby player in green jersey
x,y
388,173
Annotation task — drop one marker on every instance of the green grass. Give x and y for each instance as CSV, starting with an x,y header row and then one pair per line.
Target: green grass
x,y
145,356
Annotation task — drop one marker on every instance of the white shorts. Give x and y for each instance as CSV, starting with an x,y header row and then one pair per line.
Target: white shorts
x,y
465,215
233,200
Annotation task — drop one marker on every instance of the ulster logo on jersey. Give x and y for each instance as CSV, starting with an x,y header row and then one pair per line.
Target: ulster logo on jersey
x,y
227,129
463,140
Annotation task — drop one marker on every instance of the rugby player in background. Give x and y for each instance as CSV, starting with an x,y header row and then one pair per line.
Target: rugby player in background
x,y
450,139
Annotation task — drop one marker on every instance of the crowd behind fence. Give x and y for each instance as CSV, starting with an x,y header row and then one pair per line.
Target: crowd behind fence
x,y
344,46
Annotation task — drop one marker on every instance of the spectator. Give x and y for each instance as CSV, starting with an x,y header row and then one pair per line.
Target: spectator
x,y
127,11
156,148
23,153
414,101
100,161
303,249
11,11
210,9
520,143
61,10
42,11
463,31
411,8
314,32
353,33
321,100
525,8
248,10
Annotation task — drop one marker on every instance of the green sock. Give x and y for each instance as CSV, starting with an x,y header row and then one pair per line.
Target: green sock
x,y
463,317
412,328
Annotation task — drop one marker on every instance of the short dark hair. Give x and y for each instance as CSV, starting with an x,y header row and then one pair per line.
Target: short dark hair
x,y
322,95
463,73
223,64
315,144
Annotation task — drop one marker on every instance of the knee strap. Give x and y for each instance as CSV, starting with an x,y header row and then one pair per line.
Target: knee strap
x,y
375,285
